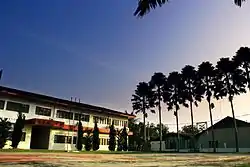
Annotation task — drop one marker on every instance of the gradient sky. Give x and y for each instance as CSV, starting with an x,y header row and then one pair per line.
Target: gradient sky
x,y
98,51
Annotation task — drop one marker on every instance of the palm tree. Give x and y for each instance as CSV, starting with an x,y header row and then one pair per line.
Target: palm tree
x,y
191,92
242,59
172,96
230,81
141,101
144,6
206,74
157,83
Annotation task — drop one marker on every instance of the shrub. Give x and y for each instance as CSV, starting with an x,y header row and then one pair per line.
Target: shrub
x,y
96,139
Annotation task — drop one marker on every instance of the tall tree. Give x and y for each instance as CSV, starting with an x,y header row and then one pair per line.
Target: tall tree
x,y
96,139
206,74
79,142
242,59
230,82
173,97
18,130
5,127
112,135
192,91
157,83
142,100
144,6
124,136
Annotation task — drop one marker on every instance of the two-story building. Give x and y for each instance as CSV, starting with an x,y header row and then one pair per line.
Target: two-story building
x,y
51,122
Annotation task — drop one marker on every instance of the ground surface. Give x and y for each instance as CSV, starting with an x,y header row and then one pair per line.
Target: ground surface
x,y
60,159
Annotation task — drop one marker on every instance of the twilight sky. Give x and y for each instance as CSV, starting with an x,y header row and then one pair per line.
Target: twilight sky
x,y
98,51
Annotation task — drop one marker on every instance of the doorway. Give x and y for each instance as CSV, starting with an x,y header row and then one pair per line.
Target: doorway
x,y
40,137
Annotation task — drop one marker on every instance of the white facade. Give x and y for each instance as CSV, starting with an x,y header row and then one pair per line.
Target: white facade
x,y
5,112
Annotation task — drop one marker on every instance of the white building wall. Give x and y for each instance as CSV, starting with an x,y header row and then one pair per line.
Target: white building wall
x,y
12,116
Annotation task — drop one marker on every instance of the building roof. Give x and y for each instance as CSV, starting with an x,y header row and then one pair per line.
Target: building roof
x,y
226,122
62,102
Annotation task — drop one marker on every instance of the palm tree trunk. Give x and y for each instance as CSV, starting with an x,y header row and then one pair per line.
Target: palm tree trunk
x,y
159,106
235,126
144,132
192,125
212,125
178,135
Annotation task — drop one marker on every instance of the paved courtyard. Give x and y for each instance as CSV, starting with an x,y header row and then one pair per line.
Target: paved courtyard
x,y
35,159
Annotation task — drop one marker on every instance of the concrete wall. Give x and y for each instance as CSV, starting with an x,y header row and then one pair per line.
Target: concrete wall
x,y
63,146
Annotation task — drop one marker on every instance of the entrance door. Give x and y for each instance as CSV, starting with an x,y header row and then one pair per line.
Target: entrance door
x,y
40,137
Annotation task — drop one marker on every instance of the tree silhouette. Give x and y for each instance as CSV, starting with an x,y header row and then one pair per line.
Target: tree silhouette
x,y
188,130
141,101
230,82
157,83
112,135
242,59
96,139
5,127
145,6
173,97
192,91
206,74
88,140
79,136
18,130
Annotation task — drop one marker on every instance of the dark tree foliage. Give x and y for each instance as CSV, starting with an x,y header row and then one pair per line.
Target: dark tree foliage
x,y
145,6
230,82
5,127
112,136
79,136
242,59
188,130
119,140
96,139
88,141
18,130
206,74
157,83
124,136
142,100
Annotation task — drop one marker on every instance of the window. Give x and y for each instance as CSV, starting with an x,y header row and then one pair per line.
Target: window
x,y
61,139
84,117
103,141
13,106
116,122
64,114
2,102
43,111
102,120
23,136
74,139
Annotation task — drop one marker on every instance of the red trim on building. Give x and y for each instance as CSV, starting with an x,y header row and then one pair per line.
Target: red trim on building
x,y
60,125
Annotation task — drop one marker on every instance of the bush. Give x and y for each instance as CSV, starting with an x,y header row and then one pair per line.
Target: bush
x,y
96,139
79,136
17,132
5,127
112,135
88,141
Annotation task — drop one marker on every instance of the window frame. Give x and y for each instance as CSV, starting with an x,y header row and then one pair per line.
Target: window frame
x,y
25,107
43,108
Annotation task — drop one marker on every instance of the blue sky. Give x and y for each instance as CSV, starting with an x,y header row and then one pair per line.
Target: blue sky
x,y
98,51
